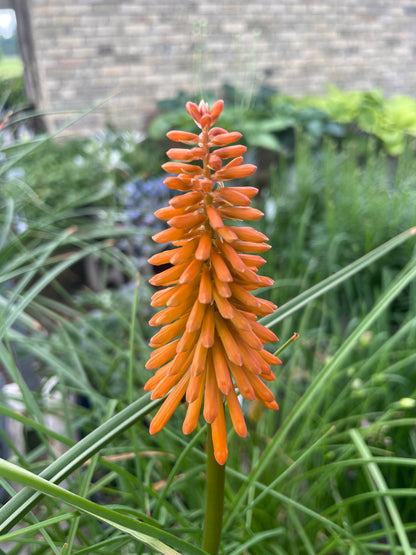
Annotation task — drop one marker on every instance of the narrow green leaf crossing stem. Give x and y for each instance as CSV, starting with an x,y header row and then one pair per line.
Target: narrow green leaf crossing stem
x,y
214,502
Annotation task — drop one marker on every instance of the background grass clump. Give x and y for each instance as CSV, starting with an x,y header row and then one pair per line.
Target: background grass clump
x,y
334,470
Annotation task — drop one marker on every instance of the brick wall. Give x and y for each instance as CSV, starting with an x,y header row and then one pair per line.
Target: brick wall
x,y
145,50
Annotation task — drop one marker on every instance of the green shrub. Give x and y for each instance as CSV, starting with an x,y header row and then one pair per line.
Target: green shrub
x,y
13,93
390,120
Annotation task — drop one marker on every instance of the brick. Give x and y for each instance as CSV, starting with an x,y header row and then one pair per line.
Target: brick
x,y
150,50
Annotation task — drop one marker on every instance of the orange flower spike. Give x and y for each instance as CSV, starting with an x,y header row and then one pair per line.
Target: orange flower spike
x,y
211,347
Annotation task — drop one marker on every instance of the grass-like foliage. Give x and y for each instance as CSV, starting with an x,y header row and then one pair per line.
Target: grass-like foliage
x,y
332,472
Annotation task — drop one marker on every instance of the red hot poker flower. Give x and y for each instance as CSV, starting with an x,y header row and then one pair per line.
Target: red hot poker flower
x,y
210,345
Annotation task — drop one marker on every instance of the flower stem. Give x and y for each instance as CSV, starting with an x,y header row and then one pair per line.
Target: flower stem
x,y
215,500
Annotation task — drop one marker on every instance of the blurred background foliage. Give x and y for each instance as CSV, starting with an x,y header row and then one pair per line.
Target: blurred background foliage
x,y
336,178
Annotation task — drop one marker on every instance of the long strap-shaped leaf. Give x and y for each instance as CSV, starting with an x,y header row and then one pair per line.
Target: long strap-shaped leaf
x,y
335,279
378,483
146,533
15,509
402,280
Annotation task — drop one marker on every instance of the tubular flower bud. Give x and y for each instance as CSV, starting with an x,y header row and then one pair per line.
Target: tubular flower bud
x,y
210,348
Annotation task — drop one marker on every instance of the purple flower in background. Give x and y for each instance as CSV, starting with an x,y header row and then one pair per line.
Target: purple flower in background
x,y
140,200
154,187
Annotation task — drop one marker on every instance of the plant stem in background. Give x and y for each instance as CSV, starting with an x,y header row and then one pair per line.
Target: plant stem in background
x,y
215,500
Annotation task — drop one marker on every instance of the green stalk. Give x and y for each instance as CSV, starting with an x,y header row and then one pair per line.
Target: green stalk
x,y
215,500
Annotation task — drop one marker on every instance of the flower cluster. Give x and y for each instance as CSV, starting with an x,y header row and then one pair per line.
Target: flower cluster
x,y
211,346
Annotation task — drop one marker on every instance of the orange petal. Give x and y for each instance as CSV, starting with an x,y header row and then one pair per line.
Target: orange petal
x,y
169,332
167,212
182,254
249,315
157,377
191,271
210,403
168,235
216,110
187,155
270,358
250,234
169,276
164,386
230,346
240,321
252,260
187,341
229,195
231,151
240,212
193,111
260,363
251,362
181,167
161,297
269,377
219,433
196,316
183,137
234,172
245,297
205,287
199,359
224,306
224,138
162,355
183,295
251,339
169,406
264,281
250,192
222,372
263,333
195,387
204,247
208,327
265,307
192,414
261,390
181,363
242,382
220,267
232,256
236,414
250,246
271,405
248,279
214,218
167,315
161,258
226,233
214,162
234,163
178,183
222,287
188,220
188,199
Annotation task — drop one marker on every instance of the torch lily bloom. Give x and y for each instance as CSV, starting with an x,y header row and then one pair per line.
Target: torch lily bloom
x,y
211,346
